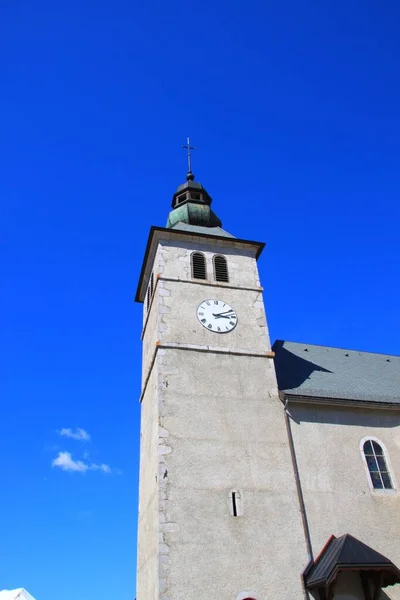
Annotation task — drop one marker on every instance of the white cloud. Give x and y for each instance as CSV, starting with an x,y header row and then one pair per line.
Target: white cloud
x,y
103,467
78,434
65,462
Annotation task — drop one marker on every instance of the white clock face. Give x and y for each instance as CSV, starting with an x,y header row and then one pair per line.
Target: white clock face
x,y
217,316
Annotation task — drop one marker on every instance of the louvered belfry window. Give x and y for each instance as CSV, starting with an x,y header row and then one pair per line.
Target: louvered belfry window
x,y
199,270
221,269
377,466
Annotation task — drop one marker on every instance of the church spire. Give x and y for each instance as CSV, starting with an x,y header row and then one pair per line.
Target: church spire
x,y
191,202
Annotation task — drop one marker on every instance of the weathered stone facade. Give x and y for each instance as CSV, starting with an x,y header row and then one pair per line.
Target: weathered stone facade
x,y
212,423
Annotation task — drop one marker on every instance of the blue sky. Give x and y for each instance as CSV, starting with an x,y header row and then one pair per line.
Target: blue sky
x,y
294,110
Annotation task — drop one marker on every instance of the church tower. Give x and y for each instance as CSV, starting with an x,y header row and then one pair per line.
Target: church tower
x,y
218,513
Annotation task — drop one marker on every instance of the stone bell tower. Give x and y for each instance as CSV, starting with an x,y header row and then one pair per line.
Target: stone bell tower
x,y
218,511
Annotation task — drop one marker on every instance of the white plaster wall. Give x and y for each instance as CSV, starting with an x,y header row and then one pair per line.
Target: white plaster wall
x,y
224,429
172,316
175,307
334,480
148,526
219,427
150,332
180,323
173,260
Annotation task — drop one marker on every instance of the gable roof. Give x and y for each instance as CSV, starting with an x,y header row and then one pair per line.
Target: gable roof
x,y
347,552
310,371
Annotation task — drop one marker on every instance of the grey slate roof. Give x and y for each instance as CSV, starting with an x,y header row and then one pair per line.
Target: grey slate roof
x,y
218,231
323,372
347,552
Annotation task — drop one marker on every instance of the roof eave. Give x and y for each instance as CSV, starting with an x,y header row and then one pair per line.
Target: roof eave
x,y
326,581
361,403
361,567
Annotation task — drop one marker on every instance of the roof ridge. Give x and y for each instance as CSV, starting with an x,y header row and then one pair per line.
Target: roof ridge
x,y
342,544
324,548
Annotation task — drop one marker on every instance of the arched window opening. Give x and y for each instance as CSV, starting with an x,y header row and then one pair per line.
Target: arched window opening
x,y
181,198
221,269
377,466
195,196
199,266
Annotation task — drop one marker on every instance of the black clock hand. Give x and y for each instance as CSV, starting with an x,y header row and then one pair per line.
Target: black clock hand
x,y
229,312
222,316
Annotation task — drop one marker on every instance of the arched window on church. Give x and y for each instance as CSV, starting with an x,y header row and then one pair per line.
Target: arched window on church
x,y
220,268
199,270
377,465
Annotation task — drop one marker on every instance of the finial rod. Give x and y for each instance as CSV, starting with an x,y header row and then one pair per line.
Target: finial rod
x,y
188,147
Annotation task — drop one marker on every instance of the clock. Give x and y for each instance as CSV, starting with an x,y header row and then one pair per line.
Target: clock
x,y
217,316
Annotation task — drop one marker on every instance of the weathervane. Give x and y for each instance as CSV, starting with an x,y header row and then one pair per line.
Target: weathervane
x,y
188,147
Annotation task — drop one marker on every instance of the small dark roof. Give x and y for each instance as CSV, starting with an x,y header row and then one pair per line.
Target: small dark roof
x,y
347,552
313,371
189,185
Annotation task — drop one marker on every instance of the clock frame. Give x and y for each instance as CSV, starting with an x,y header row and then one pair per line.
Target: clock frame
x,y
217,316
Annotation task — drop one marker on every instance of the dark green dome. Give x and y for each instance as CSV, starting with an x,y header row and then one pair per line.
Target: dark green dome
x,y
191,205
193,213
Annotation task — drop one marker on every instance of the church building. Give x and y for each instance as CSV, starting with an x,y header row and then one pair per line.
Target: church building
x,y
266,472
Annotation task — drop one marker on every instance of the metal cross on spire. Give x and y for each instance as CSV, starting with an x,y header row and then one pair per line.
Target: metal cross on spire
x,y
188,147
